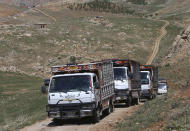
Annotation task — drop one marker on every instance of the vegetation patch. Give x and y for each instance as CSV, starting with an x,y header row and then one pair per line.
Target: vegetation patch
x,y
18,107
102,6
161,109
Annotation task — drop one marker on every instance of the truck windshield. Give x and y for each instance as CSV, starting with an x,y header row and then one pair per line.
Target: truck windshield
x,y
70,83
144,78
162,86
119,73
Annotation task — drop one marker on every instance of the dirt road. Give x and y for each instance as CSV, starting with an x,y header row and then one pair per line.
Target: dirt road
x,y
106,124
157,42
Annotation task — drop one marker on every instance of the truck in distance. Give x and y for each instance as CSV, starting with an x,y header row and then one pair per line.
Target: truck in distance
x,y
81,90
127,81
149,81
162,86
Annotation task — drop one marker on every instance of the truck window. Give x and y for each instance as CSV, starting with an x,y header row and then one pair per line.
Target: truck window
x,y
162,86
144,78
119,73
94,79
70,83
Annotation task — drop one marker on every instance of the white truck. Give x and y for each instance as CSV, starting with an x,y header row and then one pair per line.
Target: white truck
x,y
149,81
127,81
162,86
81,90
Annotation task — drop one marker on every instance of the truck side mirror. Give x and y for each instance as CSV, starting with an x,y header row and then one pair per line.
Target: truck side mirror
x,y
43,89
97,85
46,82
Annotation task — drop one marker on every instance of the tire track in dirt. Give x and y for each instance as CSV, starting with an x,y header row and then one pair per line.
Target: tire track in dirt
x,y
157,42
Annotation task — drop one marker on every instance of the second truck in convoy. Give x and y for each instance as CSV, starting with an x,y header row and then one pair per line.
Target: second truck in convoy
x,y
127,81
81,90
149,81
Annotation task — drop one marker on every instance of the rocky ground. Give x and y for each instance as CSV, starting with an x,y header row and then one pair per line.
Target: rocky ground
x,y
180,48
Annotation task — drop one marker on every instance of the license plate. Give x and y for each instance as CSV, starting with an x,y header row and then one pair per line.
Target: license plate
x,y
120,97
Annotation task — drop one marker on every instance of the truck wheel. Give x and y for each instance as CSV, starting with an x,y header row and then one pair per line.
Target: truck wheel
x,y
112,107
96,116
57,121
136,101
154,96
151,97
109,109
129,102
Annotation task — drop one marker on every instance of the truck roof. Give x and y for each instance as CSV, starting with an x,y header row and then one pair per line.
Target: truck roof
x,y
123,61
145,71
120,67
147,67
76,68
74,74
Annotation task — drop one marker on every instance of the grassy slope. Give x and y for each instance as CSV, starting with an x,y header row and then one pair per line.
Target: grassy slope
x,y
72,30
20,107
168,113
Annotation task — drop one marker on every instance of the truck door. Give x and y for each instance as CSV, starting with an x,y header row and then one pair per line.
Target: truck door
x,y
129,77
96,86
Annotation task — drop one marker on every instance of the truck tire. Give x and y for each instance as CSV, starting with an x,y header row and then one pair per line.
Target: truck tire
x,y
151,97
57,121
136,101
112,107
129,101
96,115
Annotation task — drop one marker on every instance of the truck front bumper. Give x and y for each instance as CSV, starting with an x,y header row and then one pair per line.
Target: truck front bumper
x,y
69,111
70,114
121,96
120,99
145,93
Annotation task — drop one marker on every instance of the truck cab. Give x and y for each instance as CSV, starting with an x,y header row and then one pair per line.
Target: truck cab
x,y
81,90
127,81
146,83
121,78
121,83
72,89
149,81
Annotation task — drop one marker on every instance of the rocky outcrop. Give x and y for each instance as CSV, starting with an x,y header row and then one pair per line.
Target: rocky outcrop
x,y
180,47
